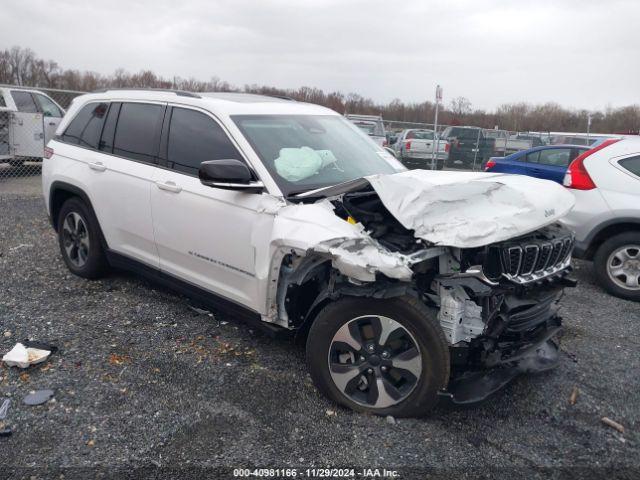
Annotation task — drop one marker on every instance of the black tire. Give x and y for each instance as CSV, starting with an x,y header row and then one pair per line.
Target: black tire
x,y
419,320
602,257
95,263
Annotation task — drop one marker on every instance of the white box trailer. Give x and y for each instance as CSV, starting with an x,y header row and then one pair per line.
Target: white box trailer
x,y
28,120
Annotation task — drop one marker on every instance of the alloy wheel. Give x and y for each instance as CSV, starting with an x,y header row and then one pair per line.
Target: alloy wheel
x,y
374,361
75,237
623,267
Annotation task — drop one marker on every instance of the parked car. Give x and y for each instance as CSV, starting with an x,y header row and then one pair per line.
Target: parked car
x,y
414,147
372,125
28,120
606,218
505,143
408,285
549,162
470,147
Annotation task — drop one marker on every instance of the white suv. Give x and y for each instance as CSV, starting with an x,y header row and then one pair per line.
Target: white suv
x,y
407,285
606,218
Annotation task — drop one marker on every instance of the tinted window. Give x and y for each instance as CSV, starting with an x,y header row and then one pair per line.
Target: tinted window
x,y
632,164
86,126
109,130
532,157
557,157
24,101
2,102
49,109
195,138
137,131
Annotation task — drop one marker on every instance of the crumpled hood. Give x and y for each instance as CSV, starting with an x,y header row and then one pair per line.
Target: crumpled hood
x,y
470,209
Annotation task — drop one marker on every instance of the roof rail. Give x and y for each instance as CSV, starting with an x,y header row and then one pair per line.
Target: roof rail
x,y
181,93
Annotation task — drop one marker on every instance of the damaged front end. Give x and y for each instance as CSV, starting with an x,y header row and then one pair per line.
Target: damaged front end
x,y
497,303
498,307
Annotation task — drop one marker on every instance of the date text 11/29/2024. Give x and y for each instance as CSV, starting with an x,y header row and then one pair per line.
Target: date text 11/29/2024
x,y
316,473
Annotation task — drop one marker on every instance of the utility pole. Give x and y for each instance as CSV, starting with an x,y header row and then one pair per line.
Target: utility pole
x,y
436,147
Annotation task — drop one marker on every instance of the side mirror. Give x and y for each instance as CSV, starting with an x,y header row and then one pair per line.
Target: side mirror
x,y
229,174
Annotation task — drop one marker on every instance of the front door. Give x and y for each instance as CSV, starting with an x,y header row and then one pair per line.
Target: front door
x,y
52,114
204,235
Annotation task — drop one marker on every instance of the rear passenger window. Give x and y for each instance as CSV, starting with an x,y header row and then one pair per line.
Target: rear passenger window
x,y
194,138
557,157
632,164
138,131
533,157
86,127
24,101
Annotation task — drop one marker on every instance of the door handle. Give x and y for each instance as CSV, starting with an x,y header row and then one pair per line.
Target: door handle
x,y
52,124
169,186
97,166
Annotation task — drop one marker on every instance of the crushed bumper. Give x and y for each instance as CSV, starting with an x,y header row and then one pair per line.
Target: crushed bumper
x,y
538,355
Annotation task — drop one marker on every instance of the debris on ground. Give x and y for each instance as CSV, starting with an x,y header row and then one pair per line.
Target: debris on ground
x,y
390,420
115,359
21,356
4,408
613,424
200,311
38,397
330,413
574,396
22,245
7,334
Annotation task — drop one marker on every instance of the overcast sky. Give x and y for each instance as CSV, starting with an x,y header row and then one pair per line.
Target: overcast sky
x,y
583,54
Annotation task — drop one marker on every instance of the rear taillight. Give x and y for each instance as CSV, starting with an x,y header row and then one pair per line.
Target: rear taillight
x,y
385,143
489,165
577,176
48,152
447,147
407,145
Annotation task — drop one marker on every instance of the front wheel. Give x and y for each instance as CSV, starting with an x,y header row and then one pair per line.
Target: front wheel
x,y
381,356
617,265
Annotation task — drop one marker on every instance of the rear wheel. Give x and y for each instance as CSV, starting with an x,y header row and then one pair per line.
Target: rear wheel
x,y
382,356
617,265
79,240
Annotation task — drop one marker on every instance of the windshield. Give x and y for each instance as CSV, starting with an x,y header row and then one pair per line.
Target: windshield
x,y
305,152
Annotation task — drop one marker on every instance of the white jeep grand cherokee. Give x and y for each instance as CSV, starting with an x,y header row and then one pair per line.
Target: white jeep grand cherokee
x,y
408,286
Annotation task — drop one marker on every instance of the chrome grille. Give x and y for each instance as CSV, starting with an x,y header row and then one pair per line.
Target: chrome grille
x,y
535,260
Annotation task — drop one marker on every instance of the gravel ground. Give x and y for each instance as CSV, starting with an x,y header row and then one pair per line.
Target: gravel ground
x,y
143,382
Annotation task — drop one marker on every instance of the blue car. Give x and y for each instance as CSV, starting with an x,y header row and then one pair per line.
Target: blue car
x,y
549,162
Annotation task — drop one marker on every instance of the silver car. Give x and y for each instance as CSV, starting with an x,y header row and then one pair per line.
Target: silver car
x,y
606,218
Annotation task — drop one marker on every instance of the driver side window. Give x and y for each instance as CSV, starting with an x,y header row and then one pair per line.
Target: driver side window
x,y
195,138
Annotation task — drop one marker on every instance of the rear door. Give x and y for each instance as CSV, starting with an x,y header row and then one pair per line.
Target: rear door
x,y
118,145
52,114
27,127
553,163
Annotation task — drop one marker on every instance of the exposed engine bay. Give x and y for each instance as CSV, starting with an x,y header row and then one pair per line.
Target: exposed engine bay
x,y
495,303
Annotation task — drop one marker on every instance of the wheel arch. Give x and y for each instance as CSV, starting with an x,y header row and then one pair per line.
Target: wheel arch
x,y
59,193
608,229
